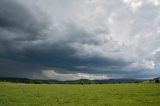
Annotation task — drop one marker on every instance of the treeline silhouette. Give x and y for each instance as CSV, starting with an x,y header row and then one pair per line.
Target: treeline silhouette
x,y
80,81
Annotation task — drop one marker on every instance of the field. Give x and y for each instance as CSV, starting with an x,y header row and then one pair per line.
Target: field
x,y
79,95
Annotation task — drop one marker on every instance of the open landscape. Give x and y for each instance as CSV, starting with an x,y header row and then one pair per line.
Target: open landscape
x,y
79,52
12,94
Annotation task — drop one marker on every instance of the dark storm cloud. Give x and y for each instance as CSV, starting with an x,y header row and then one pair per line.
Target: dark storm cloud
x,y
17,25
36,37
14,17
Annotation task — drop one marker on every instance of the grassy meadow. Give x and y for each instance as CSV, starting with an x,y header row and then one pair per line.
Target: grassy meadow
x,y
79,95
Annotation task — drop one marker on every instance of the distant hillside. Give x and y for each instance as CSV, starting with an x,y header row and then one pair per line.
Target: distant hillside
x,y
80,81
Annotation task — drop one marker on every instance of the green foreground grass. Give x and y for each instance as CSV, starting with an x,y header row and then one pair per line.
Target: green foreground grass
x,y
79,95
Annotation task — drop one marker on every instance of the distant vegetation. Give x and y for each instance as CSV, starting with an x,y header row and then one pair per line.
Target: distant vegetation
x,y
81,81
155,80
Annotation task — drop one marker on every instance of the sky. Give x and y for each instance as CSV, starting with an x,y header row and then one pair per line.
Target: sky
x,y
80,39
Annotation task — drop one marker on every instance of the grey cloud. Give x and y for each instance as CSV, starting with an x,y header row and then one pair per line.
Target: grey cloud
x,y
15,17
77,37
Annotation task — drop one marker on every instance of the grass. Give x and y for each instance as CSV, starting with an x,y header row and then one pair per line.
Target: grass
x,y
79,95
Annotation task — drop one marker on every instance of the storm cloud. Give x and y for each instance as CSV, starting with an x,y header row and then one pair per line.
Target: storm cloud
x,y
59,39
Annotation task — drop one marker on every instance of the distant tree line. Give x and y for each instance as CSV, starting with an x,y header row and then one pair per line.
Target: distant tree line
x,y
80,81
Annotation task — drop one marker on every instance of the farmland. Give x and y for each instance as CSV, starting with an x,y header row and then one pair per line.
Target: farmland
x,y
12,94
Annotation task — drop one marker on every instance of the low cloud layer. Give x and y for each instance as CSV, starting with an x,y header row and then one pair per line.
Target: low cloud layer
x,y
71,39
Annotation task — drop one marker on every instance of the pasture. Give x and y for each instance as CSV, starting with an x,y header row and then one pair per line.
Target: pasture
x,y
79,95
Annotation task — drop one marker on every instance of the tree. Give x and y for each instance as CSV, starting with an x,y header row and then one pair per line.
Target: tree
x,y
157,81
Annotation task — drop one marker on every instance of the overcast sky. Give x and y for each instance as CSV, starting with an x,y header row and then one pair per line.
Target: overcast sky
x,y
74,39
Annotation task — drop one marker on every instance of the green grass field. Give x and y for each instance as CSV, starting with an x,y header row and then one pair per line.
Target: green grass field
x,y
79,95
